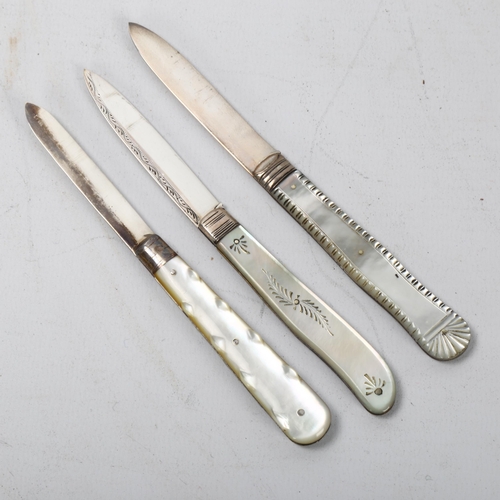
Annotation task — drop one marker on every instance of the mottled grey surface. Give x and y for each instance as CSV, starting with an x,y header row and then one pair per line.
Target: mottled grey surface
x,y
391,108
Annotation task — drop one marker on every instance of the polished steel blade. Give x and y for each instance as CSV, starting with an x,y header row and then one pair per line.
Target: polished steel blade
x,y
201,99
87,177
152,150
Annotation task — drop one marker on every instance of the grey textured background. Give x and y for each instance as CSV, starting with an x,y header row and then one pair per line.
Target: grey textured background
x,y
106,389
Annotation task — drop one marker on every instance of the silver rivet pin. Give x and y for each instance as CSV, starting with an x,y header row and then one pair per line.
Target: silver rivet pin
x,y
293,186
236,341
361,252
173,272
301,412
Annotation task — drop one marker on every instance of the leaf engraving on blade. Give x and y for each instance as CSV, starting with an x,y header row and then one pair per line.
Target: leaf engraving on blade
x,y
143,159
305,306
374,386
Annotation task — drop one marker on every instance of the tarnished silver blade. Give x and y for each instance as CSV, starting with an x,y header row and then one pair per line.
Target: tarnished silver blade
x,y
87,177
153,152
201,99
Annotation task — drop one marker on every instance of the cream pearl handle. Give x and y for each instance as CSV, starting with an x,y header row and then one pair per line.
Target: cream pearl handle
x,y
290,402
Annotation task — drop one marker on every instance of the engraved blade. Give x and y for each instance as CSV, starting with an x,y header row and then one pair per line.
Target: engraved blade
x,y
87,177
151,150
201,99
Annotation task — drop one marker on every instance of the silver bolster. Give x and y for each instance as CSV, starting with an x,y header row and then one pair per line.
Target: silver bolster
x,y
312,321
439,331
291,403
272,171
216,224
153,252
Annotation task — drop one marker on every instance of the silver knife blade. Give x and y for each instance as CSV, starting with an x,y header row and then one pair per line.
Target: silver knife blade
x,y
154,153
87,177
436,328
202,100
308,317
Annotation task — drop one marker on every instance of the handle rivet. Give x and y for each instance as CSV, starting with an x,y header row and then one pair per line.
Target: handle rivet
x,y
173,272
293,186
378,391
301,412
361,252
236,241
236,341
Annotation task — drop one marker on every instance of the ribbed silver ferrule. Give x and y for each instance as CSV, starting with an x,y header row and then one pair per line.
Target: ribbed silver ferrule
x,y
272,171
217,224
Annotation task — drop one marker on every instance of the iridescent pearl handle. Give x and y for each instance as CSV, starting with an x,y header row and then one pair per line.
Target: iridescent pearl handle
x,y
436,328
290,402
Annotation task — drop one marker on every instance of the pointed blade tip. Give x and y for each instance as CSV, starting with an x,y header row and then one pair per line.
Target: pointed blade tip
x,y
135,29
141,36
88,76
34,118
93,82
31,110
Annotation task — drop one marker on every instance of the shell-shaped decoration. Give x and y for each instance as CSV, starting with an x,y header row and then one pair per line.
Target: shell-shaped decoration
x,y
240,245
450,341
374,385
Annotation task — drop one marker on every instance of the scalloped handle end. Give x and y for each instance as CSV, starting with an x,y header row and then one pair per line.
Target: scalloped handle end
x,y
448,339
